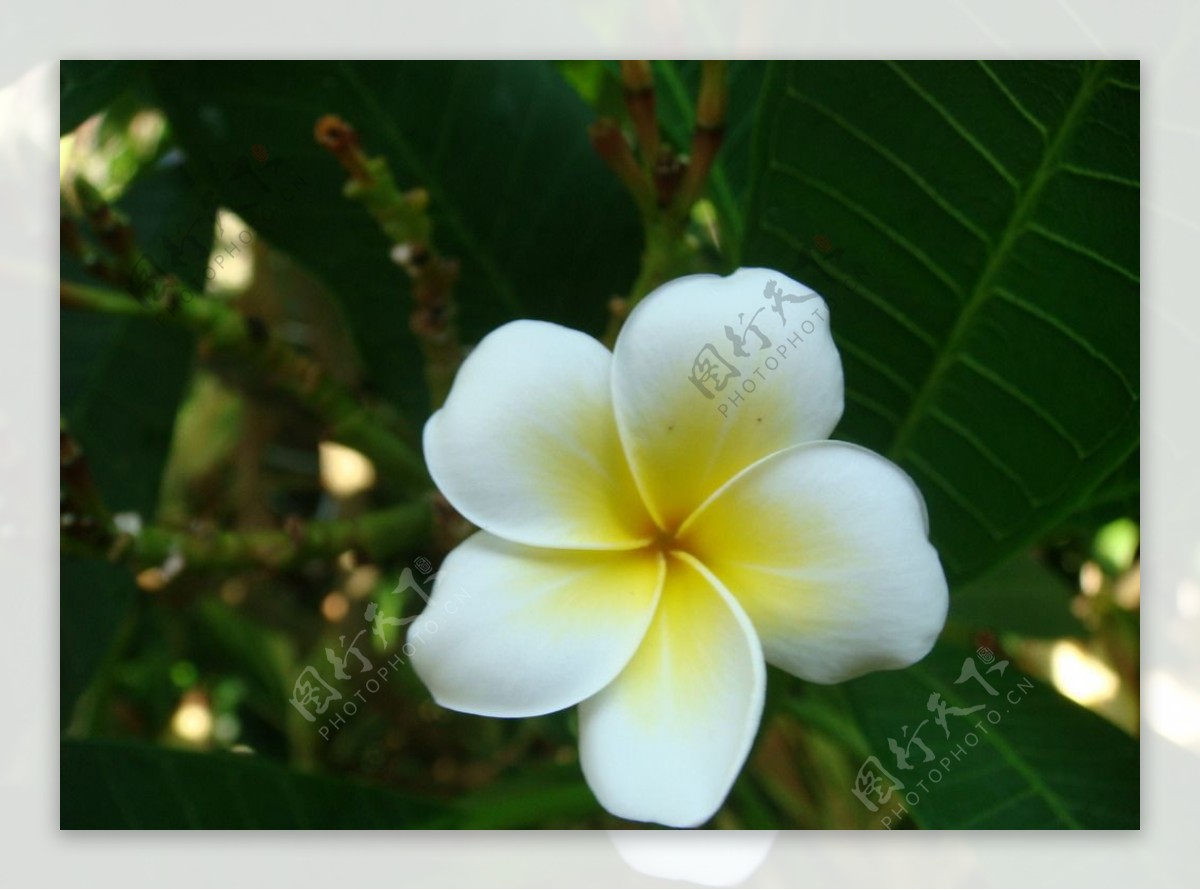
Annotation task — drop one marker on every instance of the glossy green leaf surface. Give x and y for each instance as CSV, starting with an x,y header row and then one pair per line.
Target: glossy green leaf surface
x,y
975,230
127,785
1012,754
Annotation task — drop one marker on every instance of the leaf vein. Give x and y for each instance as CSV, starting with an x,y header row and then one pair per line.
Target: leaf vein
x,y
892,158
966,135
1037,409
1083,250
871,405
882,368
996,262
1102,175
961,501
990,456
1013,100
875,222
1068,332
853,284
1014,759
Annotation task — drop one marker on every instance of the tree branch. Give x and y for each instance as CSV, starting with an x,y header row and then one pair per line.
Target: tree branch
x,y
89,528
223,328
665,185
379,534
403,217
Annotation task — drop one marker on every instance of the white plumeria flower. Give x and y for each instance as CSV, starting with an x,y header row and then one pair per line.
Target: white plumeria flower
x,y
659,522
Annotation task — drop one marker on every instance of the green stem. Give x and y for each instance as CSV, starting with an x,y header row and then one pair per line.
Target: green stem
x,y
347,420
379,534
403,217
665,256
666,195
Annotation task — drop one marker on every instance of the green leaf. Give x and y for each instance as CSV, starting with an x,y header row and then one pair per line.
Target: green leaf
x,y
87,86
261,657
1116,545
553,794
1118,496
122,381
107,784
539,225
598,83
974,228
96,597
1020,595
1029,759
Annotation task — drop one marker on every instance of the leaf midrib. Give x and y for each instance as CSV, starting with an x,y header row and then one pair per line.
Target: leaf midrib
x,y
1013,230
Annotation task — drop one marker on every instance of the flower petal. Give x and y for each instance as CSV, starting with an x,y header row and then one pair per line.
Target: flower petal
x,y
526,446
825,547
513,631
665,741
692,412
